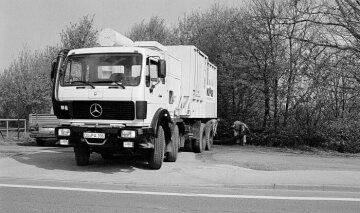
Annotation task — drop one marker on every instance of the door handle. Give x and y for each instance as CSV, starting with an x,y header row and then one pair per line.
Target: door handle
x,y
160,96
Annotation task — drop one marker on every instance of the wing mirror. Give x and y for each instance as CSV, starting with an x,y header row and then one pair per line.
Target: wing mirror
x,y
162,68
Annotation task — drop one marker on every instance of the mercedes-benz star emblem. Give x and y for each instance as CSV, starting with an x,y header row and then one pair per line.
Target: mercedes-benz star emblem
x,y
95,110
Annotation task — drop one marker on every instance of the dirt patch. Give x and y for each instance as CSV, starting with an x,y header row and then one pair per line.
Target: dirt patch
x,y
280,159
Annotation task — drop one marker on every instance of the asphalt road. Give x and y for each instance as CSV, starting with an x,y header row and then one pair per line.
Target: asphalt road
x,y
62,200
227,179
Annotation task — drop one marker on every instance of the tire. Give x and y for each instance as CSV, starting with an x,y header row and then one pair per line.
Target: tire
x,y
107,156
174,144
201,141
198,147
188,146
182,142
82,155
209,135
157,154
40,142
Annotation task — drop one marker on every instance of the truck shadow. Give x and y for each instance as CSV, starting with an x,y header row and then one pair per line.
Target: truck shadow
x,y
64,159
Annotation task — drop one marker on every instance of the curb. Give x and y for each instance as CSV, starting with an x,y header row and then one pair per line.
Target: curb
x,y
334,188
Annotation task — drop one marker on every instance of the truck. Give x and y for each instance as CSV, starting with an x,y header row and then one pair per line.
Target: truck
x,y
42,127
134,97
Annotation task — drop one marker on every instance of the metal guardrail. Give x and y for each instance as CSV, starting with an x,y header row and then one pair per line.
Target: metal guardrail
x,y
18,129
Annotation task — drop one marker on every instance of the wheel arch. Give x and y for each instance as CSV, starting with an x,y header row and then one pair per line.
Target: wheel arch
x,y
162,117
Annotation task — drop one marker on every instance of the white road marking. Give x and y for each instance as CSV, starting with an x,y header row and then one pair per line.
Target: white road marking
x,y
184,194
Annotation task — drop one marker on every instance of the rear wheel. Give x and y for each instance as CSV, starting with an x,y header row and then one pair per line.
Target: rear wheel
x,y
157,154
82,155
174,144
201,141
182,142
188,146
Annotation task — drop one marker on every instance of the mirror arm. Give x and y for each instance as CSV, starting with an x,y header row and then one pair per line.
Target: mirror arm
x,y
152,87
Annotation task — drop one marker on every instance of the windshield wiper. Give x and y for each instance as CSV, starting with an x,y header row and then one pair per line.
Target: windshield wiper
x,y
84,82
116,82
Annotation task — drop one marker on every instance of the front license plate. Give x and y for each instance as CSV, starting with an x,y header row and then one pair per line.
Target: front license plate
x,y
128,144
94,135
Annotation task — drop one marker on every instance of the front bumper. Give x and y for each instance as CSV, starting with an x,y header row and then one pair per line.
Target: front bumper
x,y
112,138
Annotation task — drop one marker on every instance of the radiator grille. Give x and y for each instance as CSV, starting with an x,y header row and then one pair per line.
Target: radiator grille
x,y
111,110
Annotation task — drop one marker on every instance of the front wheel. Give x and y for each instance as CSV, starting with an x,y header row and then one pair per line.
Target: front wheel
x,y
82,155
157,154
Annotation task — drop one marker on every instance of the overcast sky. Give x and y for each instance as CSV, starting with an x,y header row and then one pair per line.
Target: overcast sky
x,y
37,23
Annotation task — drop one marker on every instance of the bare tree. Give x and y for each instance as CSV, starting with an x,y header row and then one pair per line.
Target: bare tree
x,y
153,30
81,34
25,85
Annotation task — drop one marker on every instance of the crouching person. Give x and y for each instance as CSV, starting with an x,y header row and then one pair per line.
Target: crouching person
x,y
215,123
240,130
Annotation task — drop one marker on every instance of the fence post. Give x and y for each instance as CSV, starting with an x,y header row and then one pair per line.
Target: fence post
x,y
7,128
18,127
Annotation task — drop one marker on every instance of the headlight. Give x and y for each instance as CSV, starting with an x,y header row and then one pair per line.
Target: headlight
x,y
64,132
128,134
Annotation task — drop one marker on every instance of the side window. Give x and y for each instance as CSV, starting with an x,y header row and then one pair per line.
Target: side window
x,y
73,72
76,71
67,72
151,72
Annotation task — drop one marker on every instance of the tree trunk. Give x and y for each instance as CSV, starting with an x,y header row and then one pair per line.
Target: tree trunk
x,y
233,101
276,119
266,102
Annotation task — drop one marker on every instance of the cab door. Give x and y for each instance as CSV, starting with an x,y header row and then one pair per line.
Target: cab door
x,y
156,89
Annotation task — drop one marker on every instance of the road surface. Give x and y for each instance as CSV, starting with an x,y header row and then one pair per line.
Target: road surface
x,y
46,179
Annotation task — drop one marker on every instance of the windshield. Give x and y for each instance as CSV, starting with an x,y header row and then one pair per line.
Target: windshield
x,y
102,69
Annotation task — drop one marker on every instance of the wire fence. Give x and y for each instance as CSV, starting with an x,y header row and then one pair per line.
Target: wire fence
x,y
12,125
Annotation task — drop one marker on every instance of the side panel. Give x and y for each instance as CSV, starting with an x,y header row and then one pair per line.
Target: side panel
x,y
198,83
211,91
